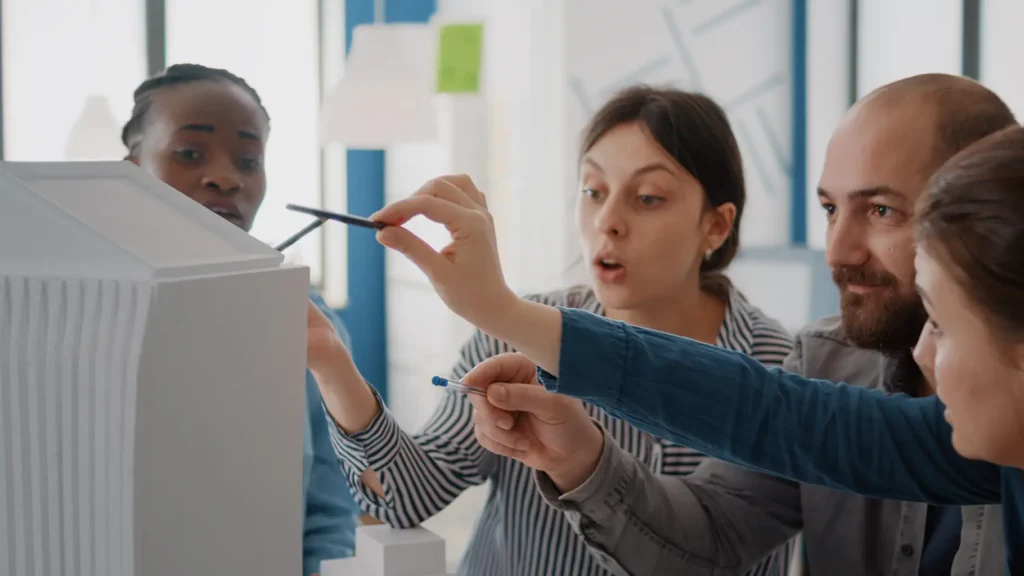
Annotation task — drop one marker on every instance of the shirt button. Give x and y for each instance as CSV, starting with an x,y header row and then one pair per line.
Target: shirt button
x,y
907,550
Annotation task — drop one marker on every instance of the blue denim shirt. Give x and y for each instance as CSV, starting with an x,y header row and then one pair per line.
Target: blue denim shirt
x,y
731,407
331,512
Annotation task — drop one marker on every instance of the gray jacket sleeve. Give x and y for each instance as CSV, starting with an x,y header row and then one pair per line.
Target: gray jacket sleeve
x,y
722,519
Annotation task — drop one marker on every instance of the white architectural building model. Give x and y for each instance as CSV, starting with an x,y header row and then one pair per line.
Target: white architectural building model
x,y
152,365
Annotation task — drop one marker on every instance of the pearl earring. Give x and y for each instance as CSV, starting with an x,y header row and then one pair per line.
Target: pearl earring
x,y
708,254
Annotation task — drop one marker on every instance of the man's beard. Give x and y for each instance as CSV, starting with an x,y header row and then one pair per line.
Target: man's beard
x,y
887,319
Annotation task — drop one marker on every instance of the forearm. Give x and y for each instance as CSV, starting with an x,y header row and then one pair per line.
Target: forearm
x,y
729,406
531,328
650,523
413,476
348,398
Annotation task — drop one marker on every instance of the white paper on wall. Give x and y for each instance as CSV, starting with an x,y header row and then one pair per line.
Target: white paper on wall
x,y
69,359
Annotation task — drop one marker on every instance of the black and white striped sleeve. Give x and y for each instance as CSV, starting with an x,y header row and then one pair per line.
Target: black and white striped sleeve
x,y
771,343
421,473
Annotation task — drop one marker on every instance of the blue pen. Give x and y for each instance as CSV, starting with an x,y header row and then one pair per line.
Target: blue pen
x,y
456,385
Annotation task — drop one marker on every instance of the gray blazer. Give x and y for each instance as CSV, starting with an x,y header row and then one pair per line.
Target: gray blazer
x,y
722,518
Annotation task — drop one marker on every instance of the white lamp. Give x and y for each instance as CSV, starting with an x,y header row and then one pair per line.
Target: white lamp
x,y
386,95
96,134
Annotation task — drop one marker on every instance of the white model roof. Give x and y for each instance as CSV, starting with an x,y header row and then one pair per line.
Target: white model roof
x,y
113,220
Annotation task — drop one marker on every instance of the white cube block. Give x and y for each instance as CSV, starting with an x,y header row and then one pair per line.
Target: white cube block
x,y
385,551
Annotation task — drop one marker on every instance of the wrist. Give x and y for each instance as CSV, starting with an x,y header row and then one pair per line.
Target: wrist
x,y
532,328
502,315
332,367
582,466
349,400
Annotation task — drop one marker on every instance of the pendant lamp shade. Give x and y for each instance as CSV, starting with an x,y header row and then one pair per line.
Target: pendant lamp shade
x,y
385,96
96,135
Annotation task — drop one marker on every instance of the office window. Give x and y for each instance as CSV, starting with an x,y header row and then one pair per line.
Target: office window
x,y
906,37
828,76
1001,45
273,45
57,54
334,158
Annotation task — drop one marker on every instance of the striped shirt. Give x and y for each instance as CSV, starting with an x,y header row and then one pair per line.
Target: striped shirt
x,y
518,533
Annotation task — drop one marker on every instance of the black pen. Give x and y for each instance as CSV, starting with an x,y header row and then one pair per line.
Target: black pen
x,y
298,235
321,217
346,218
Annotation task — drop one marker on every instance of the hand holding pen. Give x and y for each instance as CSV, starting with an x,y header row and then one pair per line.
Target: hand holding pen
x,y
466,274
514,416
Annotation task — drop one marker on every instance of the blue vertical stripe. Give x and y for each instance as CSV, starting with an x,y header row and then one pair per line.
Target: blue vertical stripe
x,y
409,10
798,206
366,315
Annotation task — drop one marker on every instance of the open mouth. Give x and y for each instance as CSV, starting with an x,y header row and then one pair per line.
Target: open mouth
x,y
608,270
229,214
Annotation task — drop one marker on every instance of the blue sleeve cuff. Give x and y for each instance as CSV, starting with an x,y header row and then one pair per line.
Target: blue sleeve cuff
x,y
592,363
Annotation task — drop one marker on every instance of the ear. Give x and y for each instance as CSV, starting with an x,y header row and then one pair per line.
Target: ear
x,y
718,223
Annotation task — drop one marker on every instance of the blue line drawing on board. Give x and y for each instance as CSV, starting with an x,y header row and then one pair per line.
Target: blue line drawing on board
x,y
576,86
755,157
640,73
773,140
724,17
684,51
763,87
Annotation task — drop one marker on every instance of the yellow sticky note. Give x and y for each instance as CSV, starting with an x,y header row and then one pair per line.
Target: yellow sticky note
x,y
459,57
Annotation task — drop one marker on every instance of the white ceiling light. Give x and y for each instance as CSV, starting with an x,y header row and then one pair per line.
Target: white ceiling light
x,y
386,95
96,135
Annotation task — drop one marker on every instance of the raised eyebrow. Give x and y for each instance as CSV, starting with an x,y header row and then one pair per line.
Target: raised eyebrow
x,y
879,192
593,164
197,128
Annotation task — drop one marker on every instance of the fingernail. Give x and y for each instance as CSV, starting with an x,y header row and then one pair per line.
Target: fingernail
x,y
506,423
497,392
386,240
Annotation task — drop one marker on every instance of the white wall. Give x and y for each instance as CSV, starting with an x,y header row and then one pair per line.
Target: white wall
x,y
737,53
1002,44
899,38
55,55
827,98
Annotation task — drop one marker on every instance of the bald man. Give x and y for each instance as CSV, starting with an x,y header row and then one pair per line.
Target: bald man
x,y
722,519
